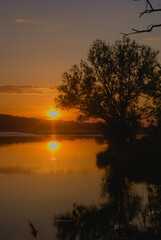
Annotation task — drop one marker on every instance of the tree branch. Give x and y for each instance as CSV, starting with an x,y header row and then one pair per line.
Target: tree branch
x,y
149,9
149,29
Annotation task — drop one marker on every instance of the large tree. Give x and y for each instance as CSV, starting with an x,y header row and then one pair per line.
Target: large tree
x,y
108,85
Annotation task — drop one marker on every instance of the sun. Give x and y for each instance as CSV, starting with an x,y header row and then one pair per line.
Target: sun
x,y
53,114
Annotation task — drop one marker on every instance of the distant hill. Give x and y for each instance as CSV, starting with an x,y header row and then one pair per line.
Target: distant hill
x,y
10,123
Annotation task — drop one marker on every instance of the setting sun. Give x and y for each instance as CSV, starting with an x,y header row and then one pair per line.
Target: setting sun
x,y
53,114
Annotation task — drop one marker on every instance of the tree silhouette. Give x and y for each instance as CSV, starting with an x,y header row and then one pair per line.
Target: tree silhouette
x,y
108,85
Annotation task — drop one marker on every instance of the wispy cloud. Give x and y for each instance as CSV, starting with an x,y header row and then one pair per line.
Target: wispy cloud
x,y
27,90
24,20
20,20
153,39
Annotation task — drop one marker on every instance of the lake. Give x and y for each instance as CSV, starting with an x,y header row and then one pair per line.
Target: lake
x,y
42,177
39,179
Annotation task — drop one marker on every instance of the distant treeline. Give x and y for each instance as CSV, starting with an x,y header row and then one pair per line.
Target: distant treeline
x,y
10,123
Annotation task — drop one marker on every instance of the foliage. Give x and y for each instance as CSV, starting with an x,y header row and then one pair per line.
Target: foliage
x,y
109,84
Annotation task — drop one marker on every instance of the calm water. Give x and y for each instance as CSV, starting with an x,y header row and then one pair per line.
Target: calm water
x,y
41,178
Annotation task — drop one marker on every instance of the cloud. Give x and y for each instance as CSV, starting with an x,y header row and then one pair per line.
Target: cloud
x,y
27,90
20,20
153,39
24,20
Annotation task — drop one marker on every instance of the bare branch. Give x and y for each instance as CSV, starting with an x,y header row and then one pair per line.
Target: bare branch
x,y
148,9
148,4
149,29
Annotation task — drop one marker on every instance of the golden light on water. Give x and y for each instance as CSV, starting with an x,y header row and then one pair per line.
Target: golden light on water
x,y
53,113
53,146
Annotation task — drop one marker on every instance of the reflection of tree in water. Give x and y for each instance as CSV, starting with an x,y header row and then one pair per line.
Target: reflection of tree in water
x,y
123,214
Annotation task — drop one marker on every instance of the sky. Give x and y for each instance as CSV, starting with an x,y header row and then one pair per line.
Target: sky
x,y
40,39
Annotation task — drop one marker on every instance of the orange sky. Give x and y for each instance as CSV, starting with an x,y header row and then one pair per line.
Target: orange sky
x,y
41,39
31,104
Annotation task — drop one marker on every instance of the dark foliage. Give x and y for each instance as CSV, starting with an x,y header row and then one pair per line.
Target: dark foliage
x,y
109,85
123,214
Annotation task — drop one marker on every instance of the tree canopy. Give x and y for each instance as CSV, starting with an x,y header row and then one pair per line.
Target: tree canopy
x,y
108,85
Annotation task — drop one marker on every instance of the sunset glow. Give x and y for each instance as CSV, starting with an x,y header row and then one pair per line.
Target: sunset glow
x,y
53,146
36,47
80,119
53,114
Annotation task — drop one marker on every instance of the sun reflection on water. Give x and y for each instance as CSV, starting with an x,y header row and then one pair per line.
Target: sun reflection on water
x,y
53,146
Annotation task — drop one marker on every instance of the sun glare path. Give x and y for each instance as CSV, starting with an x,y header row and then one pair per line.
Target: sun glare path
x,y
53,114
53,146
